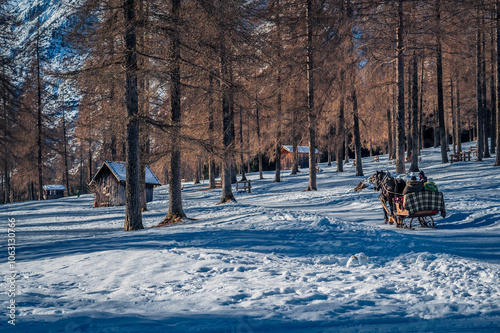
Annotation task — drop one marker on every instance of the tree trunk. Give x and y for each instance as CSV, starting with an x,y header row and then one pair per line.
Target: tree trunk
x,y
277,175
7,152
414,122
421,108
259,135
409,119
211,133
479,96
142,183
39,114
436,129
340,139
175,210
81,168
311,117
458,122
389,131
295,157
440,96
242,161
492,121
357,137
133,215
227,138
400,115
295,154
497,106
65,147
453,118
90,159
486,113
329,144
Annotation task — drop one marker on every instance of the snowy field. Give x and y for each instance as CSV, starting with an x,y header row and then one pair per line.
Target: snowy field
x,y
275,261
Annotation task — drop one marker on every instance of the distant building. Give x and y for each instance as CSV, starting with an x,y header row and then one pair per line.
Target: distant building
x,y
109,184
303,156
53,191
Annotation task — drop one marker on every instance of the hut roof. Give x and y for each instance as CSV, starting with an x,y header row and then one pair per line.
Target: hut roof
x,y
300,149
119,170
54,187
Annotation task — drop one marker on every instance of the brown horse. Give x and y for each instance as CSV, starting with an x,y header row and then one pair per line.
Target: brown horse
x,y
389,188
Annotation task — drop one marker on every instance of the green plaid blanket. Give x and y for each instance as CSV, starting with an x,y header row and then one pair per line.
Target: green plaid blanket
x,y
425,200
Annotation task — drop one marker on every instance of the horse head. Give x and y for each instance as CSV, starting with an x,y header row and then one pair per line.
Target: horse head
x,y
379,177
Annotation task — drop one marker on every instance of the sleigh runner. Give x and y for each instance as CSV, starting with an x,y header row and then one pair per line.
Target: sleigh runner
x,y
420,206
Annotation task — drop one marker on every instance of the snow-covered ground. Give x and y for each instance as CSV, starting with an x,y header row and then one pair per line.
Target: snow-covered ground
x,y
277,260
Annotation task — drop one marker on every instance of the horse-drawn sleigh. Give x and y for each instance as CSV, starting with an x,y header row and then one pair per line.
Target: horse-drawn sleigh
x,y
404,209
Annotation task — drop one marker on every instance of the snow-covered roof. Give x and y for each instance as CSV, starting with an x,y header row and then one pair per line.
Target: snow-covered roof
x,y
54,187
300,149
119,169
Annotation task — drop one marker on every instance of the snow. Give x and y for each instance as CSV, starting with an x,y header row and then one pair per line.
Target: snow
x,y
277,260
54,188
300,149
119,169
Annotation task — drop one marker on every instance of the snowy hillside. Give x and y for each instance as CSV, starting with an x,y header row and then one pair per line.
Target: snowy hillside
x,y
277,260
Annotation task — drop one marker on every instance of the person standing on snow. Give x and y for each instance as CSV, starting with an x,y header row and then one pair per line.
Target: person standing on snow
x,y
422,177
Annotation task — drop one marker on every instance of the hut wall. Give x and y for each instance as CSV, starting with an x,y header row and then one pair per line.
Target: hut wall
x,y
110,191
122,194
107,192
287,160
52,194
149,193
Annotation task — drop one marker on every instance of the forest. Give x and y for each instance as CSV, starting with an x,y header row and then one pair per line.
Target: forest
x,y
201,89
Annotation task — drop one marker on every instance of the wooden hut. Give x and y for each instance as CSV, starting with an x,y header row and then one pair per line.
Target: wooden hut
x,y
109,184
53,191
303,156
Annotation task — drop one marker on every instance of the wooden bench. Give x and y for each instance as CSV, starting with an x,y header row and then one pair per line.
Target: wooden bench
x,y
455,158
218,184
473,150
244,185
375,158
465,155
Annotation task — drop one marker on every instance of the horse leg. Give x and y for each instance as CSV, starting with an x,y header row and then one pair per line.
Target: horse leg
x,y
391,203
386,220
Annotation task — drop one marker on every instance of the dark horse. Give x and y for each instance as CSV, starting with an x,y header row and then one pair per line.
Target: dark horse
x,y
389,188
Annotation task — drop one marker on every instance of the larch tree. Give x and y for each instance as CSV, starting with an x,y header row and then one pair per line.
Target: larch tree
x,y
400,114
175,210
311,111
133,214
414,122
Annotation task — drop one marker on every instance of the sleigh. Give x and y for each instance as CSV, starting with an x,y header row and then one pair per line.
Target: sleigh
x,y
416,206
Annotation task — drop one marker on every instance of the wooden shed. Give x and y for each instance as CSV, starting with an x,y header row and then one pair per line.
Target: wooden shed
x,y
303,156
53,191
109,184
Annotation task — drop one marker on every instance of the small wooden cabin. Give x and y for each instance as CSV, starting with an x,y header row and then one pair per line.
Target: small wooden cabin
x,y
109,184
53,191
303,156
